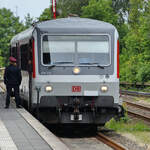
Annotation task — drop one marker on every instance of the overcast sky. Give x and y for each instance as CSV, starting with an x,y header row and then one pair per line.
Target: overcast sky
x,y
22,7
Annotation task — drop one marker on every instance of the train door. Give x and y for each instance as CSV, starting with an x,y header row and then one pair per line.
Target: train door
x,y
30,62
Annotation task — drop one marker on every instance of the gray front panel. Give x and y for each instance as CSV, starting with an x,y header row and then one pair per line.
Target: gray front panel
x,y
87,89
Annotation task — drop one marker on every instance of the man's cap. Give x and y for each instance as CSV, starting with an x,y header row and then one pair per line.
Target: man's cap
x,y
12,59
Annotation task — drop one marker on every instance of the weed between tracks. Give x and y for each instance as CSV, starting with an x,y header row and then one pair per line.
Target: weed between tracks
x,y
138,129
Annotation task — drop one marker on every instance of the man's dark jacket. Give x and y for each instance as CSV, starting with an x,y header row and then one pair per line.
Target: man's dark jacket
x,y
12,75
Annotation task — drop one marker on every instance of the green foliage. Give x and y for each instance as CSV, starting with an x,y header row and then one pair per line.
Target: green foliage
x,y
28,21
143,74
121,7
46,15
9,26
100,10
135,58
66,7
126,126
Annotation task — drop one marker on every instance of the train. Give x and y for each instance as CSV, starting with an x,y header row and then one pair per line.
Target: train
x,y
70,69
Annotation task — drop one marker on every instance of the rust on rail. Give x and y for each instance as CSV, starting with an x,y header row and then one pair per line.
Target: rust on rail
x,y
138,115
110,142
141,106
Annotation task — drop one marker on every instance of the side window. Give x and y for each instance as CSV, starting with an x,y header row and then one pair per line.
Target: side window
x,y
24,57
14,52
30,63
46,58
46,51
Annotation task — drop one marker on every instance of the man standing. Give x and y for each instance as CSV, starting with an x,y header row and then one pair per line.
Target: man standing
x,y
12,80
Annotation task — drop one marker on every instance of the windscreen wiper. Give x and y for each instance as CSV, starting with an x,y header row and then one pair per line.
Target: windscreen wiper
x,y
51,66
97,64
63,62
59,62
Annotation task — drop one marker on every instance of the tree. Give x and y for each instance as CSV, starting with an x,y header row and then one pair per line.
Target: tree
x,y
100,10
137,43
46,15
9,26
28,21
66,7
121,7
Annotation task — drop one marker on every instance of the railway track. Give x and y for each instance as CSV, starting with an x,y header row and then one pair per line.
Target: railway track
x,y
135,93
138,110
99,142
110,142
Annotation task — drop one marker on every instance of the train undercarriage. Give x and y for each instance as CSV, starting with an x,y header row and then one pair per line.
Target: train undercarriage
x,y
77,110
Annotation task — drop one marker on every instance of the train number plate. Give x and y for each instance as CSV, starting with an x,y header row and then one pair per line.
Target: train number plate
x,y
76,88
72,117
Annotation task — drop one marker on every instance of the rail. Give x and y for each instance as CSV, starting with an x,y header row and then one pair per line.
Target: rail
x,y
111,143
135,93
138,110
134,84
141,106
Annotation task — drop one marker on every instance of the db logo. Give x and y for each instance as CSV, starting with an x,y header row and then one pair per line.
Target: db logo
x,y
76,88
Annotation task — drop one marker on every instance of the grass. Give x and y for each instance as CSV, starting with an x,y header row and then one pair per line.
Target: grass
x,y
127,126
140,130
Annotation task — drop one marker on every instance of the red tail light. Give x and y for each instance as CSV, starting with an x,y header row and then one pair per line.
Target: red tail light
x,y
33,56
118,59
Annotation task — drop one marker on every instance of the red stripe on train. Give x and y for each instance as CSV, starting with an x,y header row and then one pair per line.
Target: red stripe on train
x,y
117,58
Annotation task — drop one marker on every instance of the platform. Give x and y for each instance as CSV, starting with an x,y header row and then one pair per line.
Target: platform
x,y
19,130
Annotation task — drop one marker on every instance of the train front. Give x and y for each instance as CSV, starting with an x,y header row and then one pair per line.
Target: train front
x,y
77,71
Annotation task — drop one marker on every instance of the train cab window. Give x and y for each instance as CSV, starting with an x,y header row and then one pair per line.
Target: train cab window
x,y
57,50
46,58
84,49
24,57
94,49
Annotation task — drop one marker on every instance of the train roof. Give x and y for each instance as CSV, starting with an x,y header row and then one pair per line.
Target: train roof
x,y
73,24
70,25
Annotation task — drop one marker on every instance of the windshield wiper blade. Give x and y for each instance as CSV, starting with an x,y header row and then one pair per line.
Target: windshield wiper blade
x,y
63,62
59,62
97,64
51,66
102,67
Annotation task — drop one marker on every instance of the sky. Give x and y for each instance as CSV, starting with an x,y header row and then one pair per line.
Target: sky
x,y
22,7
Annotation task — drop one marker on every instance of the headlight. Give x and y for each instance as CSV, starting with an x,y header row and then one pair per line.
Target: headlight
x,y
48,88
76,70
104,88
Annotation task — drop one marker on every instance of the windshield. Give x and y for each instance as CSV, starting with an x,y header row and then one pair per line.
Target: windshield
x,y
78,49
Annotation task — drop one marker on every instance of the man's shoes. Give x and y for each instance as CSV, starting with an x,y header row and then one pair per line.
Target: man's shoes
x,y
6,107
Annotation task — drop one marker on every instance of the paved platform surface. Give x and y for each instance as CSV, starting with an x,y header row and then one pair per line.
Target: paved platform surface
x,y
19,130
